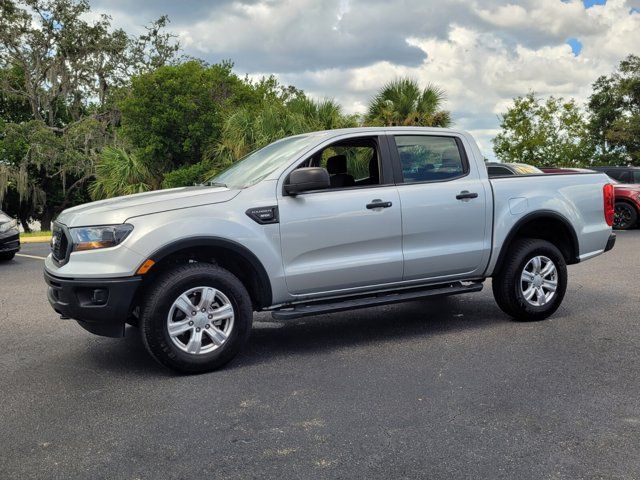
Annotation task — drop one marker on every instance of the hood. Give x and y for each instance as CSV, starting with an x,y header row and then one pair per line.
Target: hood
x,y
119,209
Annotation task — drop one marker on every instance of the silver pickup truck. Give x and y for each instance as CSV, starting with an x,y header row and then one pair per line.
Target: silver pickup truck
x,y
318,223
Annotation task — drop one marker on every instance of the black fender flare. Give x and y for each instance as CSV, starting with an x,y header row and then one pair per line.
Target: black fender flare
x,y
540,214
265,295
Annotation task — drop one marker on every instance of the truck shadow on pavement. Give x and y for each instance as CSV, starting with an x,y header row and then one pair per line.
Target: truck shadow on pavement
x,y
271,339
406,322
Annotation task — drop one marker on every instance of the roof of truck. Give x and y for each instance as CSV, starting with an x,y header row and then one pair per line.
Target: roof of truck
x,y
341,131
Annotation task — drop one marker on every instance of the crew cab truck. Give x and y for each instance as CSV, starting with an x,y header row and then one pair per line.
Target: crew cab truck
x,y
317,223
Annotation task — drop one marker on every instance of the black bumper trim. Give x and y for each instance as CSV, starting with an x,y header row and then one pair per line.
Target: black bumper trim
x,y
611,242
72,298
10,243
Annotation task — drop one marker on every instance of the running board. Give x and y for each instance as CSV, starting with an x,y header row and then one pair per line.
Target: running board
x,y
372,300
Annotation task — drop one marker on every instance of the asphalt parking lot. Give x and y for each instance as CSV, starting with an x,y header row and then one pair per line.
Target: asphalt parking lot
x,y
430,389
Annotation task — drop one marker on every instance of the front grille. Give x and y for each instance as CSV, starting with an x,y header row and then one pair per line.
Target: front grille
x,y
59,244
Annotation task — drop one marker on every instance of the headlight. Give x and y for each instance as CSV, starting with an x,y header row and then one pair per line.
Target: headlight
x,y
6,226
90,238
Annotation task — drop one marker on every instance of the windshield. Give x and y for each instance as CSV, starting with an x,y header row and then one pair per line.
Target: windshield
x,y
259,164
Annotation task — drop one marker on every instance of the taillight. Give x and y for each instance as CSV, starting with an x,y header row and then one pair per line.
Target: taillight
x,y
608,194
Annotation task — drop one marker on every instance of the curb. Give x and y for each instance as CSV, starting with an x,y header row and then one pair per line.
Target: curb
x,y
45,239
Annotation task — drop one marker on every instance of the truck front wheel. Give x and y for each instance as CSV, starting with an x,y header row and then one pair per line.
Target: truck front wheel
x,y
195,318
533,280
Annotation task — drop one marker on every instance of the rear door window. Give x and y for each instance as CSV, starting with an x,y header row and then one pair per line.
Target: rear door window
x,y
429,158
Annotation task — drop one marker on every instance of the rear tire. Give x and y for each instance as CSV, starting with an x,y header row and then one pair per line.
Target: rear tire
x,y
5,257
533,280
625,216
192,300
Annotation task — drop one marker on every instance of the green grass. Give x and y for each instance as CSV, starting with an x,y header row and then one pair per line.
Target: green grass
x,y
44,233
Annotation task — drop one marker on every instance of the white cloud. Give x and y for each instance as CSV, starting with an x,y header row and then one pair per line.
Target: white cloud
x,y
482,72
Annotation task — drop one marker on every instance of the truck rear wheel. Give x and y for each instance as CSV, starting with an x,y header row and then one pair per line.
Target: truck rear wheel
x,y
196,318
532,282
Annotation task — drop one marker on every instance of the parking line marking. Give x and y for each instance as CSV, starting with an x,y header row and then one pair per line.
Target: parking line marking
x,y
30,256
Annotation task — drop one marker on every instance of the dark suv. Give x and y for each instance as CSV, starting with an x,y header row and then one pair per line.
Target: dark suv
x,y
621,174
9,237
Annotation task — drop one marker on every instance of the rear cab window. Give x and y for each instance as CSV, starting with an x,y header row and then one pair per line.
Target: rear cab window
x,y
498,171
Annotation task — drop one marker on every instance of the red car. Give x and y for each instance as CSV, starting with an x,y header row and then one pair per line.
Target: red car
x,y
627,209
627,205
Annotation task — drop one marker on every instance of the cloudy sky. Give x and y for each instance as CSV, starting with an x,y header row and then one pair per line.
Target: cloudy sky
x,y
482,52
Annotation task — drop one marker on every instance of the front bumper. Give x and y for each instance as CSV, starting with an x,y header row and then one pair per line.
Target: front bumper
x,y
100,306
9,243
611,242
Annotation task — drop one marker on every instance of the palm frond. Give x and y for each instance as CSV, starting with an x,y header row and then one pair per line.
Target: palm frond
x,y
120,173
402,102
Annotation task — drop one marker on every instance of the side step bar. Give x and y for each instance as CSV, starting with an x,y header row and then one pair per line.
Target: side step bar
x,y
373,300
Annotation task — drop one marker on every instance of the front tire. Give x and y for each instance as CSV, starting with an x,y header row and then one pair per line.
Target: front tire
x,y
532,282
196,318
625,216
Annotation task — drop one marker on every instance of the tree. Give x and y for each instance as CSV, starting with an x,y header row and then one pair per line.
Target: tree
x,y
220,118
615,114
402,102
67,61
544,133
172,114
47,170
13,108
59,73
63,58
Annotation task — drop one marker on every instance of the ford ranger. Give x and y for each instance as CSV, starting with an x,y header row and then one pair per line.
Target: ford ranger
x,y
318,223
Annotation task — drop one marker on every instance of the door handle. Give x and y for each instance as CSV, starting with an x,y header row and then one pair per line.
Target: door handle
x,y
466,194
378,204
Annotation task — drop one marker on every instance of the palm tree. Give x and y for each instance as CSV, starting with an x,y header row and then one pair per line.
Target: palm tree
x,y
324,114
250,128
120,173
402,102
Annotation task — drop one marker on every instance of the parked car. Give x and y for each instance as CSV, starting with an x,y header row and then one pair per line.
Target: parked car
x,y
497,169
318,223
622,174
9,237
627,207
627,197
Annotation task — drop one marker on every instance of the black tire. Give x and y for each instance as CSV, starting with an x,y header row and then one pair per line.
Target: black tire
x,y
507,285
159,299
5,257
625,217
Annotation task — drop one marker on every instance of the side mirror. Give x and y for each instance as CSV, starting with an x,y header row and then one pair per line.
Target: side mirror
x,y
306,179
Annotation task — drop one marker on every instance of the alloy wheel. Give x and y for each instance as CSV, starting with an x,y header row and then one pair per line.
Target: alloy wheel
x,y
622,216
200,320
539,280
